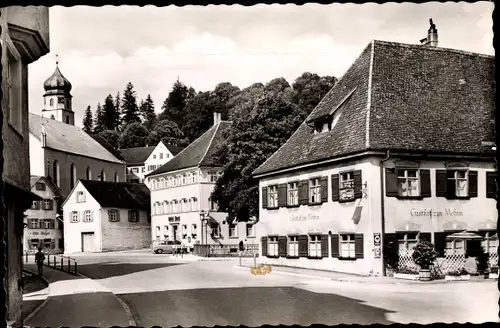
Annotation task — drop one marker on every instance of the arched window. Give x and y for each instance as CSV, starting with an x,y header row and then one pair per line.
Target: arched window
x,y
51,102
55,173
72,178
117,178
88,175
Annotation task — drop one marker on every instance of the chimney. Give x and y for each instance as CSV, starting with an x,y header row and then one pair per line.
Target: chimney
x,y
432,36
217,118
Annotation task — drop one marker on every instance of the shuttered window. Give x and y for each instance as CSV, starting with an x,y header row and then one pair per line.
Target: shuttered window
x,y
293,246
87,216
272,197
314,191
407,183
347,246
315,246
293,194
454,184
491,186
272,246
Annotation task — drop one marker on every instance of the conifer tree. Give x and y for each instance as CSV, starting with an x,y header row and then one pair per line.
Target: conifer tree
x,y
129,105
88,121
100,124
118,118
109,113
147,110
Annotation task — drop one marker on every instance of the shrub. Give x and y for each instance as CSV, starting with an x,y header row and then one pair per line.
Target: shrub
x,y
424,254
391,254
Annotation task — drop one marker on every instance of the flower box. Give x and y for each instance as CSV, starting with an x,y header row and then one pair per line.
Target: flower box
x,y
406,276
493,276
457,278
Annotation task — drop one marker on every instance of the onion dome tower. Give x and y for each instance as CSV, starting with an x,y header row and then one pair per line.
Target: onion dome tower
x,y
57,98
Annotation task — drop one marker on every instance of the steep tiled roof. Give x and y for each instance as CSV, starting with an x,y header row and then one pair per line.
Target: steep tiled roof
x,y
199,153
69,138
119,194
404,97
174,149
136,156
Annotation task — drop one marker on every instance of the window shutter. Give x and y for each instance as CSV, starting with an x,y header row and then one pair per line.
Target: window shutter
x,y
264,197
324,189
472,183
425,236
335,245
358,245
440,243
335,188
441,180
324,245
303,192
282,246
37,204
303,245
425,183
391,183
358,184
51,205
282,195
117,215
264,245
130,215
491,186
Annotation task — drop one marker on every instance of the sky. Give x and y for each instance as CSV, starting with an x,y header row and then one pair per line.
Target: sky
x,y
101,49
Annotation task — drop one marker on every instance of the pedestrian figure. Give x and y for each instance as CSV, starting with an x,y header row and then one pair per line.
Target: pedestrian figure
x,y
39,258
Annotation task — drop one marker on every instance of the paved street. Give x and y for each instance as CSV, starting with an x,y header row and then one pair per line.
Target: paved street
x,y
161,290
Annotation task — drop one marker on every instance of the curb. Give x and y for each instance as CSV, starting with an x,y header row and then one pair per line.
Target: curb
x,y
29,316
132,320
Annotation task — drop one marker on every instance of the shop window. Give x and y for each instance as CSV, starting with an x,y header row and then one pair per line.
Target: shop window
x,y
272,197
293,246
293,194
408,183
233,231
272,246
346,186
314,245
46,243
455,244
87,216
407,241
314,191
347,246
250,230
74,217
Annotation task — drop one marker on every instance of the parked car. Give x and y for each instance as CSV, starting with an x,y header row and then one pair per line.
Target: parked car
x,y
164,246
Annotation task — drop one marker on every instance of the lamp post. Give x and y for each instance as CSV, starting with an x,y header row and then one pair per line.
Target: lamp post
x,y
204,221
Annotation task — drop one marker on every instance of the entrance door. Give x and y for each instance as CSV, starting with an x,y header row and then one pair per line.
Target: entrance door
x,y
88,242
175,231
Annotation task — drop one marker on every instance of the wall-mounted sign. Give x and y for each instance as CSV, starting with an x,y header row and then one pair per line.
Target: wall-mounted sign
x,y
431,212
308,217
376,239
377,252
40,233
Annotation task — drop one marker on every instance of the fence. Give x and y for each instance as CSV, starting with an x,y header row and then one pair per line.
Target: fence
x,y
225,250
60,262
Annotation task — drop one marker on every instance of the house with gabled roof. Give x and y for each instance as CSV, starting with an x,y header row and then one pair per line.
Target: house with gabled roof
x,y
144,160
102,216
180,196
43,221
400,149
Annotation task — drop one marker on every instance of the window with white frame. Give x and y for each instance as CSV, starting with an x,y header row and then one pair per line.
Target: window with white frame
x,y
216,232
165,231
314,191
233,230
162,183
161,208
459,179
157,184
175,206
88,216
74,217
194,177
195,204
184,231
293,194
250,230
293,245
213,204
347,246
272,196
190,204
315,245
407,241
188,178
113,215
165,207
346,186
408,182
272,246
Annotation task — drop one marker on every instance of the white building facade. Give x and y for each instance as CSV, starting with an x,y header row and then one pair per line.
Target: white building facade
x,y
106,216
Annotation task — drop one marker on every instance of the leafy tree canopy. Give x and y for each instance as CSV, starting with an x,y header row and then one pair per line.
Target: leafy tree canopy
x,y
133,135
169,133
111,136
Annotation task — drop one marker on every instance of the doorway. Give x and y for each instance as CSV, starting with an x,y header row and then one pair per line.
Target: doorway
x,y
174,227
88,242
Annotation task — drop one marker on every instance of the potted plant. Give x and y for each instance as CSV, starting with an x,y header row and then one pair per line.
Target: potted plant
x,y
391,257
424,256
407,273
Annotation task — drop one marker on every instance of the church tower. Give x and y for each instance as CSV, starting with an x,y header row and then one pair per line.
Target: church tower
x,y
57,98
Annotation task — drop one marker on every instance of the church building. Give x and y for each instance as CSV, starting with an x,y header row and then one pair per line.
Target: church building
x,y
62,151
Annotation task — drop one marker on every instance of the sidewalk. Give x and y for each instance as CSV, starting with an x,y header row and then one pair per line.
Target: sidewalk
x,y
351,278
195,258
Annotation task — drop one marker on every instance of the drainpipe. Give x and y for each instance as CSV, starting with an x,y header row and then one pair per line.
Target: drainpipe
x,y
382,208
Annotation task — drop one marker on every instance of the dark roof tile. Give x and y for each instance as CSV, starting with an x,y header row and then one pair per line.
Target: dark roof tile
x,y
135,196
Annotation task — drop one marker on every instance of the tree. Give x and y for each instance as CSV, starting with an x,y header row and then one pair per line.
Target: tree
x,y
133,135
173,106
111,136
250,140
117,118
310,88
147,111
129,105
168,132
109,113
100,121
87,120
199,115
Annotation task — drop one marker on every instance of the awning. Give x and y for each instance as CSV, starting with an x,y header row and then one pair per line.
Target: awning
x,y
464,235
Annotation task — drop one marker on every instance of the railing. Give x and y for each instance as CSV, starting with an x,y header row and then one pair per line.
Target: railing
x,y
250,250
59,262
